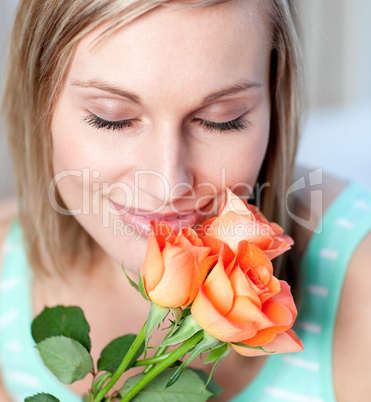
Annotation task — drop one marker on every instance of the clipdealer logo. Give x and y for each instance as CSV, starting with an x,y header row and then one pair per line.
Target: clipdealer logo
x,y
316,200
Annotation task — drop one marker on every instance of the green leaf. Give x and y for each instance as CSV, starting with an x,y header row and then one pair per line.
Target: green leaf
x,y
132,283
42,398
211,385
177,314
190,387
216,353
67,321
113,354
98,383
186,312
217,362
89,398
66,358
187,328
206,343
156,315
142,289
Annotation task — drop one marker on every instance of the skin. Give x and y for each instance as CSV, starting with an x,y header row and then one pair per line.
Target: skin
x,y
167,137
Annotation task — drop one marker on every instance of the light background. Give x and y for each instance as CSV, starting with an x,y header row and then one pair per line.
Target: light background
x,y
337,132
337,43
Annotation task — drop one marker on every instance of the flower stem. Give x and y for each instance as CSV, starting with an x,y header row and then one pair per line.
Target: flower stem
x,y
151,361
158,355
160,352
139,340
171,358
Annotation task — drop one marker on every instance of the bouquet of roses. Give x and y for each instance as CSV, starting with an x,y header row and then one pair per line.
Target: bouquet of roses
x,y
216,286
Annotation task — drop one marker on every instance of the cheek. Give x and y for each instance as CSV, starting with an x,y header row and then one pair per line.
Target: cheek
x,y
82,170
237,159
67,161
249,157
83,162
70,161
75,148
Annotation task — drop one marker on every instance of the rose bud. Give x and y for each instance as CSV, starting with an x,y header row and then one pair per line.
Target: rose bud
x,y
175,265
239,220
241,301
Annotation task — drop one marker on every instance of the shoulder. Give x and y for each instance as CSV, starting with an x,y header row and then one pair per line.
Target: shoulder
x,y
352,354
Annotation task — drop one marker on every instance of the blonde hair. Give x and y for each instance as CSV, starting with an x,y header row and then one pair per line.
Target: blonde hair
x,y
44,39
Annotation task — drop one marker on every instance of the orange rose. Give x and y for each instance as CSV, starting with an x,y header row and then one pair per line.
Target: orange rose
x,y
238,221
175,265
241,301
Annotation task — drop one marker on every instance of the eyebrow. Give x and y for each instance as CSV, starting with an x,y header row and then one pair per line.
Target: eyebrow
x,y
238,87
107,88
241,86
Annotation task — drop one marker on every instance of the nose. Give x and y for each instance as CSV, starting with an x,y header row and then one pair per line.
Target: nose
x,y
165,173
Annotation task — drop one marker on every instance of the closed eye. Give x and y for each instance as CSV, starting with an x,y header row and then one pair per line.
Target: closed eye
x,y
98,122
234,125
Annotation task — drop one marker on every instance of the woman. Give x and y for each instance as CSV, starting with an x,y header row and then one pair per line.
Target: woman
x,y
120,112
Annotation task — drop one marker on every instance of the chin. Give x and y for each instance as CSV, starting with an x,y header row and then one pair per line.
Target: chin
x,y
118,249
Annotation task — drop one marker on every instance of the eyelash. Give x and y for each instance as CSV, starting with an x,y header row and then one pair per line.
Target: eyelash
x,y
98,122
234,125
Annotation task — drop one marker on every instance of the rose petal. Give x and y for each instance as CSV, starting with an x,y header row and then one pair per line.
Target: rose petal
x,y
243,287
274,226
153,267
281,310
215,324
244,312
215,246
232,228
200,275
189,234
278,313
163,233
239,220
285,342
235,204
249,255
285,297
273,253
218,289
174,288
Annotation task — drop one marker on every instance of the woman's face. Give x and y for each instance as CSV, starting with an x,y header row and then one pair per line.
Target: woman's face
x,y
158,117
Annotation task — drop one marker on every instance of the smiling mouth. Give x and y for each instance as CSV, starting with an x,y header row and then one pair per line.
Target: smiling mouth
x,y
141,219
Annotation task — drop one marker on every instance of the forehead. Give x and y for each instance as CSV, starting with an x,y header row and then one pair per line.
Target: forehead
x,y
185,44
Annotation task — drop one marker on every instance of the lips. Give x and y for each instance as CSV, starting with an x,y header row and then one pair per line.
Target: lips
x,y
140,220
